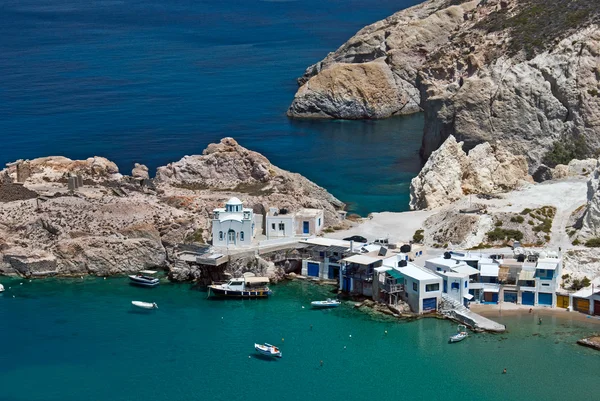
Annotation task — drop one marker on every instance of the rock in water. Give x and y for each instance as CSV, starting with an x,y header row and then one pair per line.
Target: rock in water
x,y
478,72
450,174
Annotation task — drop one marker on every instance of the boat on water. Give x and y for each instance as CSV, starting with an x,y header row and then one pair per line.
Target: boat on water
x,y
268,349
144,278
145,305
328,303
248,286
1,288
460,335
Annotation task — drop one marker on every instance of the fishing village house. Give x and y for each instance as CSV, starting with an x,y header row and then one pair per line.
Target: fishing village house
x,y
321,257
279,223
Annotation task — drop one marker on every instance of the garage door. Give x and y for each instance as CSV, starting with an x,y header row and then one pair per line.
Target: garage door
x,y
334,272
544,299
490,297
562,301
510,296
597,308
527,298
429,304
581,305
313,269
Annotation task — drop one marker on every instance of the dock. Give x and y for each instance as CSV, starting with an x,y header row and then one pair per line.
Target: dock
x,y
458,312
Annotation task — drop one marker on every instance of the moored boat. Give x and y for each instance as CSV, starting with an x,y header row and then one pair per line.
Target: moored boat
x,y
1,288
328,303
144,278
268,349
145,305
461,335
248,286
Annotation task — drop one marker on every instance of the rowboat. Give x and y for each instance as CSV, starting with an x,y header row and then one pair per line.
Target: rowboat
x,y
461,335
144,278
145,305
268,349
328,303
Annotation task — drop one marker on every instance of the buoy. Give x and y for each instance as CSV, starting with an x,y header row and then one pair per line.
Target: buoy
x,y
221,317
321,363
13,296
504,371
30,281
282,340
104,278
350,336
249,357
385,332
302,306
344,347
21,283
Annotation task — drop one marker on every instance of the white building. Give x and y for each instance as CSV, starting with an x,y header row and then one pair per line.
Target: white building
x,y
305,222
322,256
422,288
456,286
233,225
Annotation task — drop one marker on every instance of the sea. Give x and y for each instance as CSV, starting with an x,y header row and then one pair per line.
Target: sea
x,y
150,81
81,339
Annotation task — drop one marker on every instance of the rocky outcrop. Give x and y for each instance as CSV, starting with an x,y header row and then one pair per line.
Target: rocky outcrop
x,y
591,219
112,227
231,169
58,168
450,174
520,73
575,168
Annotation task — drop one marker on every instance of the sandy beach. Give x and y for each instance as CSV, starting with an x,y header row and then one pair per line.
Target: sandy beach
x,y
508,309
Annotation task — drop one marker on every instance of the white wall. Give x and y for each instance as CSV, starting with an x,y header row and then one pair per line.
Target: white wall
x,y
286,220
244,226
415,298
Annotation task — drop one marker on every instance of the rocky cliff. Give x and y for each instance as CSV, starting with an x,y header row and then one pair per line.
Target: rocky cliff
x,y
115,225
450,174
521,73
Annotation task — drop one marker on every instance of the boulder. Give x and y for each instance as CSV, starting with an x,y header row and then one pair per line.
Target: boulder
x,y
140,172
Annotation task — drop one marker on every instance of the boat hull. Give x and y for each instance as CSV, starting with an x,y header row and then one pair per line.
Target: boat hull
x,y
144,305
324,306
457,338
267,351
217,292
143,282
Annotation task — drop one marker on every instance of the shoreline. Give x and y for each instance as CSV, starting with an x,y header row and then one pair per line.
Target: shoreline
x,y
512,310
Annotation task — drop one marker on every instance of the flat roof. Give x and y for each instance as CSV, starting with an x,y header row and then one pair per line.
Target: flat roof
x,y
489,270
309,213
547,264
464,268
491,289
382,269
453,274
468,297
444,262
326,242
526,275
361,259
418,273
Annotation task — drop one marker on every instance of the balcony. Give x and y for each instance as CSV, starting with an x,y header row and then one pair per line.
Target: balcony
x,y
392,288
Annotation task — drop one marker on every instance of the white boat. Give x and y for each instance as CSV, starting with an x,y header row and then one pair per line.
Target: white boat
x,y
144,278
248,286
1,288
268,349
328,303
461,335
145,305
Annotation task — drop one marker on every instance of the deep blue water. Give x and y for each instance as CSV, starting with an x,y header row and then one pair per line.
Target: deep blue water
x,y
73,340
150,81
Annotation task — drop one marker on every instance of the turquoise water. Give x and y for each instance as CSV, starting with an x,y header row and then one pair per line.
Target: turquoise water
x,y
150,81
81,339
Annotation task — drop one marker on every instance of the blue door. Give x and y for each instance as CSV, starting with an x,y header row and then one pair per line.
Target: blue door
x,y
334,272
544,299
445,286
346,284
429,304
510,296
305,227
527,298
313,269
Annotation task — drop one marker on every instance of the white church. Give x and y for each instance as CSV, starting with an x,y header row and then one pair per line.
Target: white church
x,y
233,226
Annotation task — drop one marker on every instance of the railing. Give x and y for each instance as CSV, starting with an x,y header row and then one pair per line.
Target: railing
x,y
393,288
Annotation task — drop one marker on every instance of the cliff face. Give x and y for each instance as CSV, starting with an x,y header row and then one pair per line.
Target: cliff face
x,y
521,73
113,225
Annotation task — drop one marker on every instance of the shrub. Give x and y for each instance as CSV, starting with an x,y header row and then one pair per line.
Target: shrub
x,y
593,243
526,211
565,150
566,276
499,234
531,223
576,242
418,236
517,219
498,224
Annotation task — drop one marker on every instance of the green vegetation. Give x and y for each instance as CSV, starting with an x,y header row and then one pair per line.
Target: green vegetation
x,y
531,222
418,237
593,243
498,224
565,150
594,92
575,284
499,234
526,211
576,242
195,236
517,219
535,25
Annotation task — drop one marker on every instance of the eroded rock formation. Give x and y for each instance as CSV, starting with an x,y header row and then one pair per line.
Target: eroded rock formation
x,y
450,174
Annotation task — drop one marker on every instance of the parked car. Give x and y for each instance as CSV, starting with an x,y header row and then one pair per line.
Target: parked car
x,y
356,238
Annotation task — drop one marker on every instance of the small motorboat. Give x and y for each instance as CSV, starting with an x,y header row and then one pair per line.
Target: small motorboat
x,y
144,278
461,335
268,349
328,303
145,305
1,288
